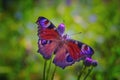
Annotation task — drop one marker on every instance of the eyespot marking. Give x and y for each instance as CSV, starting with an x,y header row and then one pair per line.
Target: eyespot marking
x,y
43,42
69,58
45,23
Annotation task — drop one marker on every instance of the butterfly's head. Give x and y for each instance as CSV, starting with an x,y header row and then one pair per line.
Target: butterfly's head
x,y
66,37
61,29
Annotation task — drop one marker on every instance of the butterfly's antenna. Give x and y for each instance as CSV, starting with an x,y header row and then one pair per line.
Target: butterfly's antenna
x,y
75,33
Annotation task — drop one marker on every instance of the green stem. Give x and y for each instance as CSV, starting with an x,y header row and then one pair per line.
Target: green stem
x,y
48,70
44,70
81,72
53,73
89,71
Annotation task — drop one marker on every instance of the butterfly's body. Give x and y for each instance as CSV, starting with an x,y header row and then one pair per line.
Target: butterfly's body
x,y
53,40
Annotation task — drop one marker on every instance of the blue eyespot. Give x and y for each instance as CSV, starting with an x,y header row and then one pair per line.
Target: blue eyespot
x,y
43,42
90,51
69,58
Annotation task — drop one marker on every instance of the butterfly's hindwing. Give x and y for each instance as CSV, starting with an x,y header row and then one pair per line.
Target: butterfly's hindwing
x,y
46,48
62,57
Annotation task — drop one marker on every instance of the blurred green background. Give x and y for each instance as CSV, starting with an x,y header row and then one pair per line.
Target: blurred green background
x,y
98,20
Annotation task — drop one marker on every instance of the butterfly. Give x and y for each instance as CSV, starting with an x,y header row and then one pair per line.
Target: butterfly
x,y
52,40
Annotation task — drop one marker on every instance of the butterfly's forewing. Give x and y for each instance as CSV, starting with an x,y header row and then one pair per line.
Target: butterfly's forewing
x,y
48,37
71,52
79,50
44,23
46,30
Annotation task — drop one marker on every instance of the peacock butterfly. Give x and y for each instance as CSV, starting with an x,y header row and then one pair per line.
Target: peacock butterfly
x,y
52,40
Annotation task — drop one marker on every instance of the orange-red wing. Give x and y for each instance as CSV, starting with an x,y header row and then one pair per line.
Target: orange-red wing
x,y
49,34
